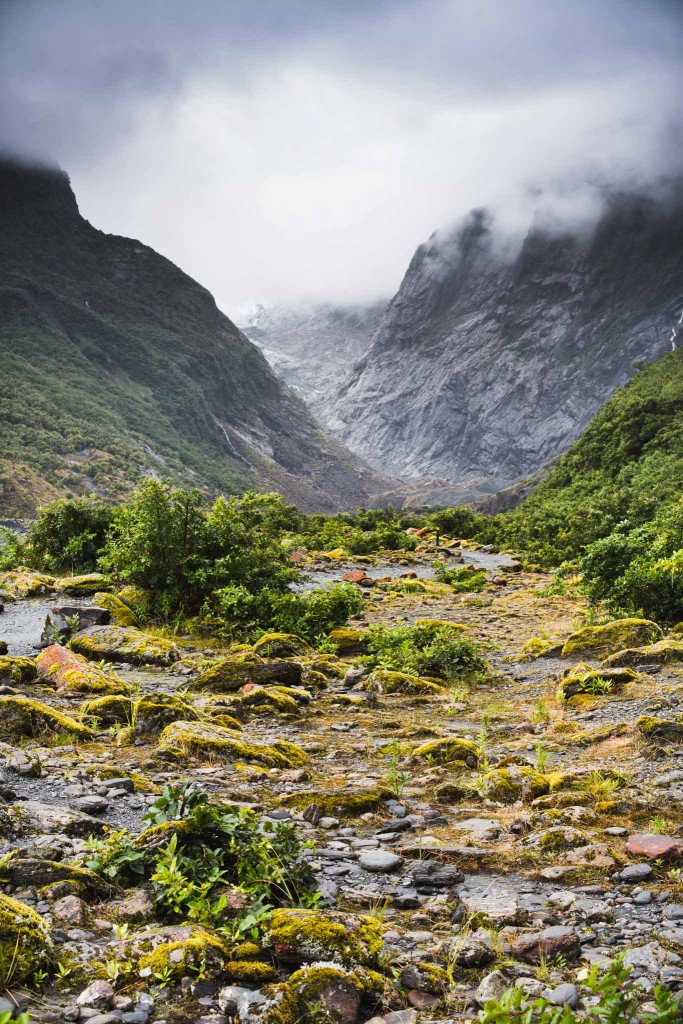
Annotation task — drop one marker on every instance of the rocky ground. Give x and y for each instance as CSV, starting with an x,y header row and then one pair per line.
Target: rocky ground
x,y
491,833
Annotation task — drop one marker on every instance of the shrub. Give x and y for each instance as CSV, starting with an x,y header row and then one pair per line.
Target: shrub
x,y
460,578
69,534
12,550
236,612
424,650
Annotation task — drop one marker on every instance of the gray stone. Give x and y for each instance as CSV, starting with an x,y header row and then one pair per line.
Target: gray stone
x,y
636,873
563,995
491,987
91,804
380,861
99,995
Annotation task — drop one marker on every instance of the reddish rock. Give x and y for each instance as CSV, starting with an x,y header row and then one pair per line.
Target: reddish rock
x,y
547,944
355,576
71,910
297,556
654,846
422,1000
71,671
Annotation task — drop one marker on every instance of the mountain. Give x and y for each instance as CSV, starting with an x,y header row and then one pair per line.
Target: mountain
x,y
487,365
116,365
314,348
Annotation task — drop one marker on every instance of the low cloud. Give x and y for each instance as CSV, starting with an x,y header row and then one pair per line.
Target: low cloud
x,y
300,151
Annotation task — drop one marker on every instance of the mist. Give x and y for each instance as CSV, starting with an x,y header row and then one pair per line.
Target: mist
x,y
299,152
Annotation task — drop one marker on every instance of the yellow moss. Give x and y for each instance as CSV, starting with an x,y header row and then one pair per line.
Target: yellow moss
x,y
281,699
349,641
113,710
121,614
313,935
199,738
440,625
21,716
342,803
80,586
17,670
250,972
600,641
660,728
385,681
444,751
22,582
506,786
197,948
25,943
155,711
660,653
142,785
230,674
281,645
119,643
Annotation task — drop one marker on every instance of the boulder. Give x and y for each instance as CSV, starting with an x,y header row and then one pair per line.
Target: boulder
x,y
201,738
600,641
230,674
35,817
654,729
446,751
654,847
660,653
73,673
547,944
17,670
281,645
119,612
82,586
64,620
23,717
298,936
124,643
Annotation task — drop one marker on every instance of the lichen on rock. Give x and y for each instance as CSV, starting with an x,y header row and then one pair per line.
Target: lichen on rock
x,y
601,641
205,739
124,643
25,942
445,751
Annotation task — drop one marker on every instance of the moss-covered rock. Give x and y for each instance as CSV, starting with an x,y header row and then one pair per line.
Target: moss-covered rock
x,y
346,802
173,951
448,750
24,582
326,991
17,670
155,711
669,730
453,792
281,645
21,871
82,586
121,614
283,700
440,626
307,936
25,942
23,717
350,641
205,739
595,682
124,643
385,681
537,647
508,785
662,652
601,641
73,673
230,674
114,710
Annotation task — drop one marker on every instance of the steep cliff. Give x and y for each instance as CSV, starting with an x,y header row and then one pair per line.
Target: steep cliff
x,y
314,348
117,365
487,365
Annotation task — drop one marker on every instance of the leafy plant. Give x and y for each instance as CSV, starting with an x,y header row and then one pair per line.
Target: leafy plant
x,y
429,650
395,776
461,578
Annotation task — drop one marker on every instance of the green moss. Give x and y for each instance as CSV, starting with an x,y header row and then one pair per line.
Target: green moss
x,y
81,586
157,836
600,641
660,653
307,936
17,670
155,711
113,710
326,992
21,716
660,728
596,682
508,785
202,738
119,643
349,641
453,792
121,614
282,699
176,951
22,582
342,803
445,751
25,943
230,674
440,626
281,645
385,681
538,648
249,972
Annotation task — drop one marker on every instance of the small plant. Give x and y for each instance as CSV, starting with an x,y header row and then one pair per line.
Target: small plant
x,y
462,579
602,786
542,755
541,714
39,978
659,825
120,931
396,778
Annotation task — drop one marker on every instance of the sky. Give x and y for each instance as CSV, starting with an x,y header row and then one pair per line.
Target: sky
x,y
289,151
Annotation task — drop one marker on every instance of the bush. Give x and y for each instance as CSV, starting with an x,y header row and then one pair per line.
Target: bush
x,y
69,534
12,550
169,542
460,578
192,868
424,650
236,612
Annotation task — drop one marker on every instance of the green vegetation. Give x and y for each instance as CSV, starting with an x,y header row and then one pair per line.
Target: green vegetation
x,y
427,649
616,1000
208,864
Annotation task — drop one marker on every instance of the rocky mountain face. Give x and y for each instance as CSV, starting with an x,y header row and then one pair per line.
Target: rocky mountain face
x,y
486,366
116,365
314,348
